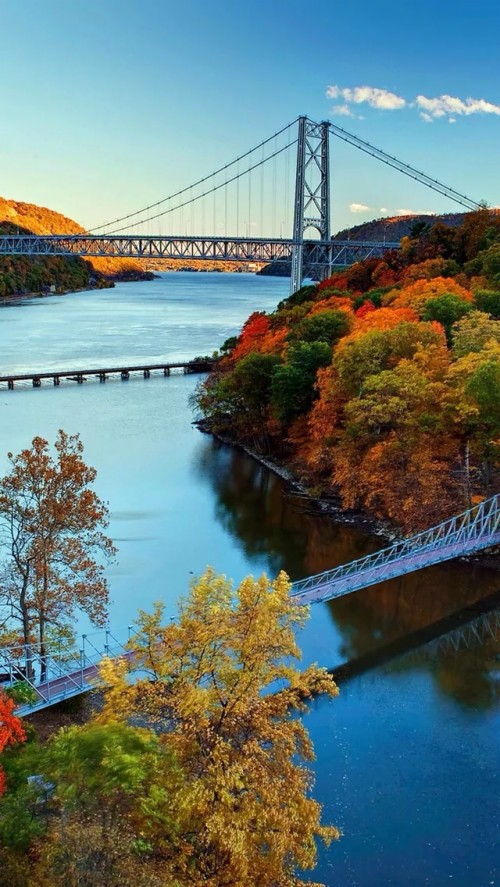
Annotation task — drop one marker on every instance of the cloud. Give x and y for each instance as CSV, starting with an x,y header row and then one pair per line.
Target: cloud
x,y
359,208
446,105
383,210
381,99
342,111
429,108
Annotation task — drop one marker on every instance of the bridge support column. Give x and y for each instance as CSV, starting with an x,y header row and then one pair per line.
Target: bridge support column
x,y
10,383
125,375
102,377
312,192
36,382
147,374
166,371
56,380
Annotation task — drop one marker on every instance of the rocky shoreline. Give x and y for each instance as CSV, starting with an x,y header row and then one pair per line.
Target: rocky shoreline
x,y
330,506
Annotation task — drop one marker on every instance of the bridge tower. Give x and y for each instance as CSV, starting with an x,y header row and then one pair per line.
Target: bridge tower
x,y
312,192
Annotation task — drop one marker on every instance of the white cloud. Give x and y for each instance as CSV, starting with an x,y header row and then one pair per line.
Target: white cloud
x,y
370,95
359,208
383,210
444,105
342,111
429,108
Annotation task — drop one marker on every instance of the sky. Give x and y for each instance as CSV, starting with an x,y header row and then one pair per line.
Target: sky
x,y
107,105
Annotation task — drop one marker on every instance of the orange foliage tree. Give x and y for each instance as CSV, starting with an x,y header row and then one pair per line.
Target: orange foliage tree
x,y
51,524
11,730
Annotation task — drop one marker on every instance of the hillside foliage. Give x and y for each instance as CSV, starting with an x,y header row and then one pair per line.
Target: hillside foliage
x,y
22,274
382,383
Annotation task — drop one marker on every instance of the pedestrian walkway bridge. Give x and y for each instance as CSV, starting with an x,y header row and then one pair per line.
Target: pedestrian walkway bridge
x,y
55,674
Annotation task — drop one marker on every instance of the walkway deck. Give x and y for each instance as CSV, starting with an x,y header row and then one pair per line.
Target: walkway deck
x,y
79,375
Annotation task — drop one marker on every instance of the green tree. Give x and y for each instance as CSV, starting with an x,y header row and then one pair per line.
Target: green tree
x,y
325,326
446,309
472,332
293,383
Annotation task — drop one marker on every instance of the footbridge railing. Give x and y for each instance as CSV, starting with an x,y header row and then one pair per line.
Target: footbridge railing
x,y
58,672
470,531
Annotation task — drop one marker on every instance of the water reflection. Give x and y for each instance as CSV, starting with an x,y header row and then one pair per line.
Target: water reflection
x,y
254,507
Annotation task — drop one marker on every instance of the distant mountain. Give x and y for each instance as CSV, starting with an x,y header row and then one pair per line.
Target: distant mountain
x,y
395,227
391,228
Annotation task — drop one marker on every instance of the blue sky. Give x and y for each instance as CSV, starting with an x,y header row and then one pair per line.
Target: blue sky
x,y
110,104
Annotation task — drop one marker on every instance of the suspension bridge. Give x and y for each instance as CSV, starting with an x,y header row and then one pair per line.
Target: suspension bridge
x,y
270,204
55,674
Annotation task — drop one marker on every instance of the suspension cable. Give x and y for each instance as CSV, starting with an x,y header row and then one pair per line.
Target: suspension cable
x,y
209,191
195,184
405,168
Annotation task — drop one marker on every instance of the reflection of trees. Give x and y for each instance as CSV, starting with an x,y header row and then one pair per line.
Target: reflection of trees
x,y
253,508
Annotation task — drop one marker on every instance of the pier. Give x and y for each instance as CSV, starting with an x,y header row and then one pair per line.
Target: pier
x,y
197,365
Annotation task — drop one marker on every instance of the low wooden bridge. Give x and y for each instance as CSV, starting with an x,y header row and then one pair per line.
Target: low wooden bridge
x,y
57,674
79,375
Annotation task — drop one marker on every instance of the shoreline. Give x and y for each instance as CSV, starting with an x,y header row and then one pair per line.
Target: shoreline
x,y
329,506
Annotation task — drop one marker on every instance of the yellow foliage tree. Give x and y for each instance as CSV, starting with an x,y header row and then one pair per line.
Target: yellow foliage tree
x,y
417,294
221,689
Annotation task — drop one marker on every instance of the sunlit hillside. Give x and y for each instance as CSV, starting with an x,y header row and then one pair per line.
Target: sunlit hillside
x,y
40,220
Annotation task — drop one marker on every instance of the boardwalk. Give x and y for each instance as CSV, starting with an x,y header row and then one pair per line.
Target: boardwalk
x,y
79,375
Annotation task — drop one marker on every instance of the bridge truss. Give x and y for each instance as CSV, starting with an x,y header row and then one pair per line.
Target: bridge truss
x,y
315,253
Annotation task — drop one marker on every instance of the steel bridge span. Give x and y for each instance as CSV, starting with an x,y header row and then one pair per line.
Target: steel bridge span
x,y
317,254
68,673
307,212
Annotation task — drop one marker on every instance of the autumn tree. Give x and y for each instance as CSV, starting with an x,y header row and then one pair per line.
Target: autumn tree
x,y
53,549
207,783
221,689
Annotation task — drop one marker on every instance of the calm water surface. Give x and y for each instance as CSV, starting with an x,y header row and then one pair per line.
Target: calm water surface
x,y
407,756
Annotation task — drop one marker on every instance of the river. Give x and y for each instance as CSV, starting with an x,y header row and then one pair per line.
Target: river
x,y
407,756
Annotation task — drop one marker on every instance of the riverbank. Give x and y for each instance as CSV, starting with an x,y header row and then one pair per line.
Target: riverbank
x,y
330,505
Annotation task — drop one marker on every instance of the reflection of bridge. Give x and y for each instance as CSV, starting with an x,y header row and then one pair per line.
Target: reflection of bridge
x,y
68,673
227,207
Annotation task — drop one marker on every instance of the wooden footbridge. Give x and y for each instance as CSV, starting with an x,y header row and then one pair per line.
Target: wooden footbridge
x,y
57,674
79,375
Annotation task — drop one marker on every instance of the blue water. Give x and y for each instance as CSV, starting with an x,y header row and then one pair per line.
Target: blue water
x,y
407,756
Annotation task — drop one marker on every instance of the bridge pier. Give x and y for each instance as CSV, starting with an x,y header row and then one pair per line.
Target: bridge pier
x,y
56,380
166,371
125,375
37,382
79,378
10,383
102,377
147,374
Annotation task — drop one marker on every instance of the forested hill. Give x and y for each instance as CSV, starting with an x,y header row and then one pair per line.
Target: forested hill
x,y
396,227
30,218
380,385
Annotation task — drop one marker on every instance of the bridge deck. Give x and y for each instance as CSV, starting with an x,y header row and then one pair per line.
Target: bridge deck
x,y
79,374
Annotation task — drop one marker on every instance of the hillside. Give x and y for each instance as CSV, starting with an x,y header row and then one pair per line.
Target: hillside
x,y
41,220
389,228
381,385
